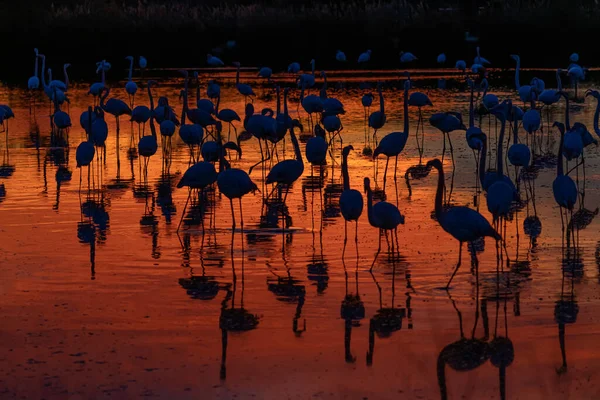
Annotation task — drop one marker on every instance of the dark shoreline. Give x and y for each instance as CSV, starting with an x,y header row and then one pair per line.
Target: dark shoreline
x,y
544,39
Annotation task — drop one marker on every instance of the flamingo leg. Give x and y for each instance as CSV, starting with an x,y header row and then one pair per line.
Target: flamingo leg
x,y
457,265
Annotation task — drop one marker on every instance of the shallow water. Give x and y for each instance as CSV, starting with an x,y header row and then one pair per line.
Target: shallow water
x,y
102,297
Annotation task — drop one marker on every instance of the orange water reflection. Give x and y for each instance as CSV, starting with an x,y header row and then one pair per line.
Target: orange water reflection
x,y
297,320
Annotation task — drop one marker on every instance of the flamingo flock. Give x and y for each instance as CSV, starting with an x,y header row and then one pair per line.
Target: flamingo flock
x,y
200,128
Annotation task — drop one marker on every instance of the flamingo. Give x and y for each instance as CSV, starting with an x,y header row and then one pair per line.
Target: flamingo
x,y
293,68
266,72
461,65
419,100
148,145
308,79
525,91
463,223
383,216
393,143
214,61
191,134
377,118
97,87
474,134
441,58
595,94
140,115
213,90
143,63
351,201
99,128
33,83
234,184
340,56
480,60
406,57
364,57
316,147
447,122
62,86
242,88
115,107
85,151
563,187
227,115
199,176
286,172
130,87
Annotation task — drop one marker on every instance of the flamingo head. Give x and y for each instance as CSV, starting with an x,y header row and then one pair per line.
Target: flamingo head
x,y
296,124
435,163
233,146
347,149
367,184
36,51
249,109
560,126
196,75
515,57
67,65
129,58
592,92
152,83
184,72
235,63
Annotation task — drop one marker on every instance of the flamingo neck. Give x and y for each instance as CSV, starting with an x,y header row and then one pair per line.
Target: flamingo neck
x,y
596,116
103,74
152,127
559,163
218,103
439,211
66,77
500,162
130,69
517,84
36,66
324,88
345,174
381,102
485,88
44,71
197,91
482,158
237,76
558,81
296,147
471,113
370,215
406,124
278,100
515,131
567,120
285,105
313,68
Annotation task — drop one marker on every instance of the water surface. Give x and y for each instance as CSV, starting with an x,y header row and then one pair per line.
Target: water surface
x,y
102,297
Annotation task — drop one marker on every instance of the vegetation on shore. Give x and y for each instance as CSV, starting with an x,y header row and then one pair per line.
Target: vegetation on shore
x,y
276,32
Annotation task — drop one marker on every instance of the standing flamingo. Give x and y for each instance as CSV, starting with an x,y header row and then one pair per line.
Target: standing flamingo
x,y
463,223
130,87
351,201
383,216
